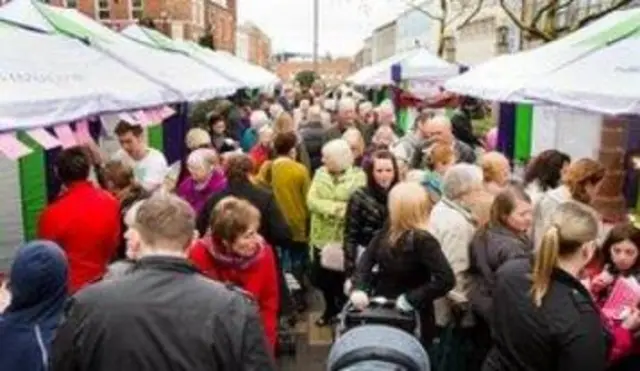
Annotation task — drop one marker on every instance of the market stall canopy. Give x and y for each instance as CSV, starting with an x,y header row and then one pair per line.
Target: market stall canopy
x,y
606,80
41,84
257,72
415,64
245,74
189,79
505,78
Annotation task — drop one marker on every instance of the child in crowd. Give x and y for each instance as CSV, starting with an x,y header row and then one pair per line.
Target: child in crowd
x,y
620,255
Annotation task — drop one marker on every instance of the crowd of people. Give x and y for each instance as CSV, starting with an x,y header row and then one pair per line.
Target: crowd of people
x,y
138,270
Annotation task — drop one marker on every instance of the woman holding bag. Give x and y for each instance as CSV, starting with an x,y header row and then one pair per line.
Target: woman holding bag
x,y
412,268
327,199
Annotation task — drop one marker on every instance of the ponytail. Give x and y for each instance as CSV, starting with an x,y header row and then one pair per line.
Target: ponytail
x,y
544,262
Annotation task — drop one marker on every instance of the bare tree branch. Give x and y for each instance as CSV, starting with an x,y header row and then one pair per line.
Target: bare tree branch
x,y
422,10
618,5
520,24
536,18
472,15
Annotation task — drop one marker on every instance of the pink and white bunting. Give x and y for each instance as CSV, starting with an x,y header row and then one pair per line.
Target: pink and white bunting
x,y
11,147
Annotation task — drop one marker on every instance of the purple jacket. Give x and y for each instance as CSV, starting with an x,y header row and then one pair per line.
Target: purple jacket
x,y
197,196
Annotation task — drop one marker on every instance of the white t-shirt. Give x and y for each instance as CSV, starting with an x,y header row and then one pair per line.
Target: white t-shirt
x,y
150,171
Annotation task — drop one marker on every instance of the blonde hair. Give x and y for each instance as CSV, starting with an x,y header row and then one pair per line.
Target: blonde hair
x,y
572,225
284,123
339,152
409,208
197,137
491,163
356,141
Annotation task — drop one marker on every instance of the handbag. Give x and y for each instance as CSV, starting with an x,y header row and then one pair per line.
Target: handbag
x,y
332,257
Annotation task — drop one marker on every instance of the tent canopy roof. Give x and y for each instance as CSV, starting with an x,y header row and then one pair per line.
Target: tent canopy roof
x,y
416,64
190,80
37,91
513,77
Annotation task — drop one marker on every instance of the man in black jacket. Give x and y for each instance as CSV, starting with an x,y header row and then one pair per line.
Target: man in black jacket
x,y
163,315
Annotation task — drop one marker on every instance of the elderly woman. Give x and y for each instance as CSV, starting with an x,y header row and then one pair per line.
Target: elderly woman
x,y
496,171
205,178
250,137
354,138
235,253
331,188
454,226
262,150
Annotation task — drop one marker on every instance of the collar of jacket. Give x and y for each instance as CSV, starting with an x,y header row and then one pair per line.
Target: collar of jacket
x,y
577,287
502,230
166,263
460,209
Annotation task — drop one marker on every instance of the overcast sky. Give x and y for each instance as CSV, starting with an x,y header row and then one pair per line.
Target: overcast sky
x,y
343,23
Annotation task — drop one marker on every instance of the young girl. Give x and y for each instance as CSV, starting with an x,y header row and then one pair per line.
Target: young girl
x,y
620,255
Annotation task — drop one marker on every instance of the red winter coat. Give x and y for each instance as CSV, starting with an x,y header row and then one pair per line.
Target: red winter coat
x,y
258,277
85,222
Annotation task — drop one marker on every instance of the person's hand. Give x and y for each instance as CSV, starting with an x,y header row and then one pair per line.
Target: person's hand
x,y
5,296
602,280
403,305
359,299
632,320
347,286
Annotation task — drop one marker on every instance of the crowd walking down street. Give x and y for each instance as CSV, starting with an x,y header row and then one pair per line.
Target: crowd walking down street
x,y
190,211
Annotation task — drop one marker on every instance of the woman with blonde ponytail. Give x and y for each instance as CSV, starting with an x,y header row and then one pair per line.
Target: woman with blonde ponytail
x,y
544,318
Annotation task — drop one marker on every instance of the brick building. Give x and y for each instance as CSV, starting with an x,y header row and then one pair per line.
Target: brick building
x,y
253,45
222,15
331,71
179,19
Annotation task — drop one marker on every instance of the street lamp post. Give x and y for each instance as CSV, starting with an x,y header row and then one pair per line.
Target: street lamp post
x,y
316,26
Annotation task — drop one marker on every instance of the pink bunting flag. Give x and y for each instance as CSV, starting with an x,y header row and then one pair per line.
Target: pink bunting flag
x,y
65,135
83,135
142,118
127,117
11,147
44,138
166,112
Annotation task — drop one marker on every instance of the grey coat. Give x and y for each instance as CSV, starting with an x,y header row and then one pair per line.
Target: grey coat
x,y
488,251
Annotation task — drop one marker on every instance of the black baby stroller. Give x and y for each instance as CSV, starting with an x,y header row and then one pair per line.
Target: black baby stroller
x,y
377,348
381,311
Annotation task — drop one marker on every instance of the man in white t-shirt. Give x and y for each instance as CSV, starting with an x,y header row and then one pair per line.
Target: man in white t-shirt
x,y
149,165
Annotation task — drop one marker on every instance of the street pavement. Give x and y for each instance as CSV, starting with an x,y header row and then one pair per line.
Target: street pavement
x,y
313,342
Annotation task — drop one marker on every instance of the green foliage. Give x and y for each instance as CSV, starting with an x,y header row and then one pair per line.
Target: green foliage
x,y
306,78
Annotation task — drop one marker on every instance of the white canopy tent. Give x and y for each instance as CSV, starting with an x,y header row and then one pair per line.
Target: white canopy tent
x,y
47,79
415,64
253,71
190,79
507,78
605,81
245,74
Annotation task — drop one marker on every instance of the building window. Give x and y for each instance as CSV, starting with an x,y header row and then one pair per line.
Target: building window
x,y
103,8
69,3
137,9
